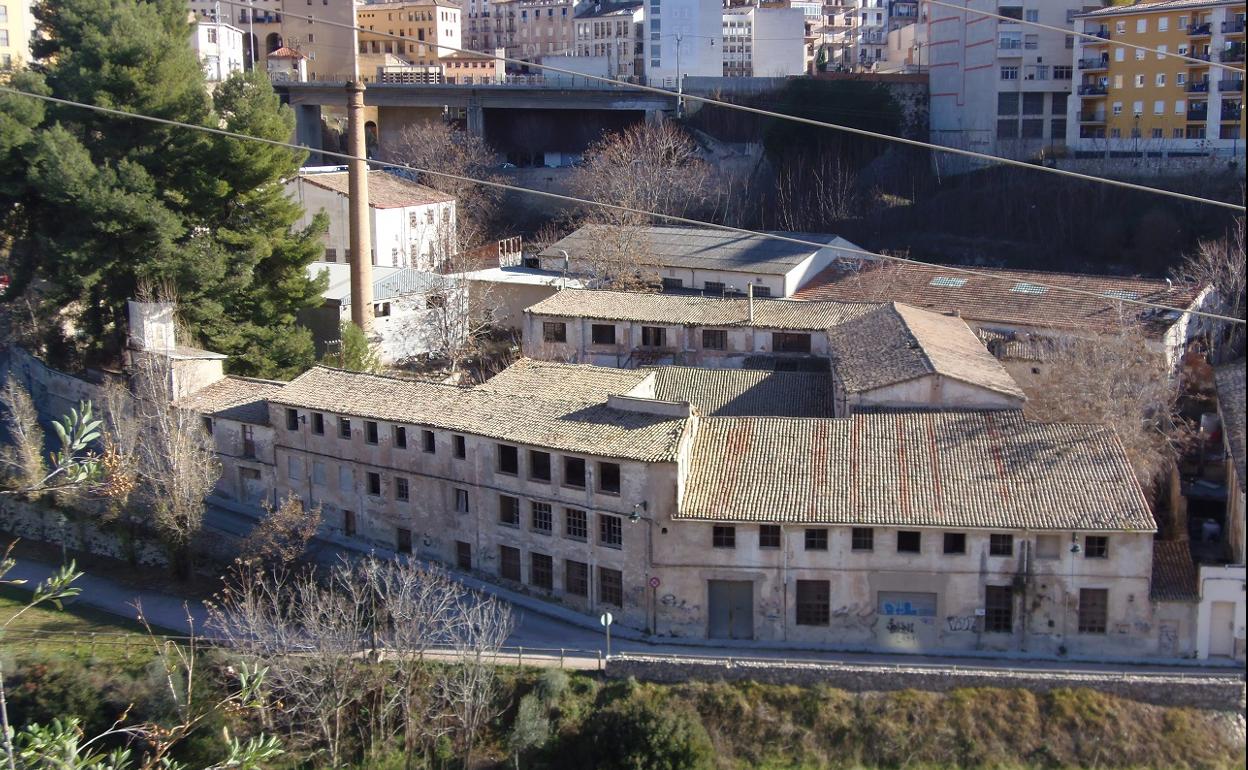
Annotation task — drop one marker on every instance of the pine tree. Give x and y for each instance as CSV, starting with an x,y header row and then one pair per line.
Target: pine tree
x,y
97,204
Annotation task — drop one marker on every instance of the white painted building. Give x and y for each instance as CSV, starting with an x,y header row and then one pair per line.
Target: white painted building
x,y
682,38
998,87
286,65
615,33
17,26
219,47
764,42
412,225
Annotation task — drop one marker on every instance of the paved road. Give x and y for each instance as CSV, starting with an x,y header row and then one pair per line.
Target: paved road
x,y
554,628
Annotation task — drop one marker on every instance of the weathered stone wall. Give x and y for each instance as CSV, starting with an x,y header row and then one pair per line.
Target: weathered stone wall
x,y
53,392
1221,693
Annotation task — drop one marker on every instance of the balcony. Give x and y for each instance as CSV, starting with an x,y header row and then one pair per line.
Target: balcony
x,y
1093,89
1235,54
1200,30
1198,87
1232,112
1198,116
1233,27
1101,32
1229,84
1094,64
1092,117
1200,58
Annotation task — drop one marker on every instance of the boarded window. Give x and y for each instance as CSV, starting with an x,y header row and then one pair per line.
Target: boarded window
x,y
1093,610
576,578
813,602
611,586
998,609
509,563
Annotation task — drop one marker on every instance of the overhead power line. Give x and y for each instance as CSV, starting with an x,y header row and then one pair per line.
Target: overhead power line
x,y
609,206
1084,35
995,159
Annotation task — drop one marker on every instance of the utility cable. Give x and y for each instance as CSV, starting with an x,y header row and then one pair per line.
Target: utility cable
x,y
793,118
609,206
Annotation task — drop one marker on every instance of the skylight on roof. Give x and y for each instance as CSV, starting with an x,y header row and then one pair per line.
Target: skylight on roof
x,y
948,282
1122,294
1022,287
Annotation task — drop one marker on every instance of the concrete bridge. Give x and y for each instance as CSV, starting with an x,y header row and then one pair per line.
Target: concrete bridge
x,y
397,105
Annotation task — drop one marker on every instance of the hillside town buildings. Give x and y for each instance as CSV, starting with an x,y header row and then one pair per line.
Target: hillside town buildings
x,y
219,47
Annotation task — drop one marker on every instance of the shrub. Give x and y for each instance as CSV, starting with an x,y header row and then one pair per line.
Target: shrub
x,y
552,684
639,734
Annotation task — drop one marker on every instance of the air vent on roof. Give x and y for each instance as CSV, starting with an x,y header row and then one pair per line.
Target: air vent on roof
x,y
1121,294
1022,287
947,282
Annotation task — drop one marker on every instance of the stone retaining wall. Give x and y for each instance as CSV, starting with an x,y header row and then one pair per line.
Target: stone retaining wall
x,y
1220,693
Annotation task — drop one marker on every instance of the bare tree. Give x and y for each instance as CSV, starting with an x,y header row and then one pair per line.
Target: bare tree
x,y
1220,264
22,457
457,314
811,197
471,686
282,536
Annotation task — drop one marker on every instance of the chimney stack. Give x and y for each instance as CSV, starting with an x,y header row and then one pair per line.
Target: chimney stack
x,y
358,224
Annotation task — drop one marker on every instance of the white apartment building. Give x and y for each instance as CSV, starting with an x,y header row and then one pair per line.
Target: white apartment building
x,y
412,225
999,87
613,32
682,38
269,25
764,42
219,47
17,25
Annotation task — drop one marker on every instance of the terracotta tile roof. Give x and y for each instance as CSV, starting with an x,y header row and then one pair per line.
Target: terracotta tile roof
x,y
897,343
745,392
1174,572
1011,297
1156,6
581,382
1007,346
385,190
675,309
286,53
1230,383
966,470
234,398
563,424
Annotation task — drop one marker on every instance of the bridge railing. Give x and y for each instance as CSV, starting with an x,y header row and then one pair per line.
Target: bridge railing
x,y
395,77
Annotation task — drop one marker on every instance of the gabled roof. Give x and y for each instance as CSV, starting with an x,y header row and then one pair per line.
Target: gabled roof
x,y
286,53
243,399
957,470
565,424
1230,384
898,343
530,377
746,392
1009,297
385,190
1155,6
704,248
678,310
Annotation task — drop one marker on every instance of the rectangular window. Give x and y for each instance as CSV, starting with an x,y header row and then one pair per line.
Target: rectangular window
x,y
348,523
319,476
318,423
428,442
998,609
909,541
723,536
370,432
816,540
509,563
508,511
1141,26
672,284
714,287
1007,129
1009,73
1159,107
814,600
574,472
1093,610
610,531
575,524
1000,545
1007,104
609,478
762,291
459,447
541,518
344,427
463,555
789,342
508,459
294,468
539,465
398,435
769,536
602,334
576,578
1096,547
955,542
862,539
541,571
292,419
401,491
1033,104
461,500
554,331
714,339
1163,24
653,337
402,540
374,484
611,586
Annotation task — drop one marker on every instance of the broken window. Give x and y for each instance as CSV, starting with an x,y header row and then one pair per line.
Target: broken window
x,y
609,478
539,465
508,511
998,609
508,459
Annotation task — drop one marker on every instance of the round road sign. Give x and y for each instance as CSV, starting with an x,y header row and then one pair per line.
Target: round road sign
x,y
654,582
606,619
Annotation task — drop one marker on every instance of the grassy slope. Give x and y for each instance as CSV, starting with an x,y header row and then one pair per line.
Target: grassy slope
x,y
111,632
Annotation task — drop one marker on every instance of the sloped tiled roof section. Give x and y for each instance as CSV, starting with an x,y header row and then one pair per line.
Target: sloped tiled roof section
x,y
582,382
966,470
567,425
704,248
1174,572
243,399
898,343
1230,383
1016,298
681,310
1156,6
385,191
745,392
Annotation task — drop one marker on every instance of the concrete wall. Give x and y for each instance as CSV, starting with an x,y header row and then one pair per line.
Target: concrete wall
x,y
1221,586
247,469
509,300
935,391
53,392
779,42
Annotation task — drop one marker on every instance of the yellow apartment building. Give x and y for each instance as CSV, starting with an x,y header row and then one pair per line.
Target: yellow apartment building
x,y
1137,101
422,27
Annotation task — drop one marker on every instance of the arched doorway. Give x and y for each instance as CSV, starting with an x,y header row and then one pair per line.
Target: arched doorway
x,y
272,42
250,50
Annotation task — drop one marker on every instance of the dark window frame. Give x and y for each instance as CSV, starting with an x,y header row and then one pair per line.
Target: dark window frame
x,y
398,436
554,331
292,419
569,478
770,536
510,563
954,543
503,452
911,539
508,511
598,336
459,446
344,428
606,472
373,483
812,602
372,434
576,578
714,339
318,423
1000,544
862,539
790,342
576,524
723,536
1096,547
402,489
610,531
428,442
998,609
816,539
541,571
611,586
536,463
541,517
1093,600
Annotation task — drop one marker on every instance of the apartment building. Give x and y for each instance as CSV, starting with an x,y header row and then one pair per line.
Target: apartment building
x,y
999,87
1131,100
683,38
530,29
17,25
478,29
271,25
764,42
219,47
422,27
613,32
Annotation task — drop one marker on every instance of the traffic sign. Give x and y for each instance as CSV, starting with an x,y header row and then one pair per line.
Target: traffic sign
x,y
606,619
654,582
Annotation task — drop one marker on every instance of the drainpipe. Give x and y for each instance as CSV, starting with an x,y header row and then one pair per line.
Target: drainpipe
x,y
749,291
784,583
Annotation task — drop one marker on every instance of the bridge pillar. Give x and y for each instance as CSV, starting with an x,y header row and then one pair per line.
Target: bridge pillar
x,y
654,117
476,118
308,131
